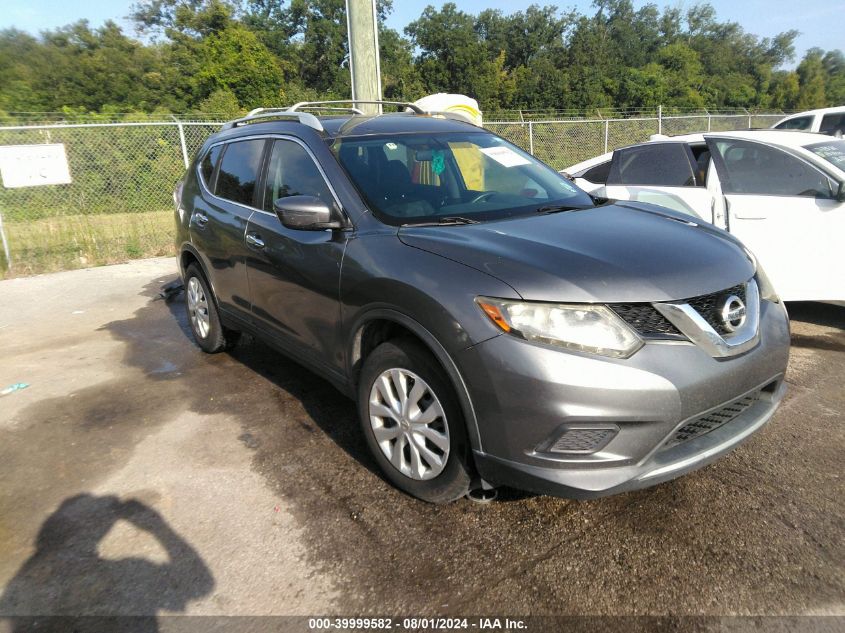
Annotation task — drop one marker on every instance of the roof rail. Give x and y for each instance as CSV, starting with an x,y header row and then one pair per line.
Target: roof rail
x,y
306,118
310,104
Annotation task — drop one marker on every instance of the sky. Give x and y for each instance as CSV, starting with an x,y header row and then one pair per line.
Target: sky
x,y
819,21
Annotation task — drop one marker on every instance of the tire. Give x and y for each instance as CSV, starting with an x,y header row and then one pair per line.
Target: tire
x,y
203,317
432,461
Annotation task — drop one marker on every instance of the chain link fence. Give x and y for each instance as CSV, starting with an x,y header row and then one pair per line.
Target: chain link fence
x,y
119,205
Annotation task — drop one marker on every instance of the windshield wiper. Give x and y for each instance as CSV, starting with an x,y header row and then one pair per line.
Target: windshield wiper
x,y
558,208
449,220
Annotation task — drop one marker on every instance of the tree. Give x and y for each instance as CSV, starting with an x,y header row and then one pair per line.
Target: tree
x,y
811,79
231,55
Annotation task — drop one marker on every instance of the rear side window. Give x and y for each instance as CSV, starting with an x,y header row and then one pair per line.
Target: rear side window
x,y
292,172
798,123
833,124
239,171
658,165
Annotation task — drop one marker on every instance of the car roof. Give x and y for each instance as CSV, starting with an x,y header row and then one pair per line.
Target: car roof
x,y
785,138
347,125
393,123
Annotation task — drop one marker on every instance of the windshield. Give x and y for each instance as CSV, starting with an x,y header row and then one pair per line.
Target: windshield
x,y
832,151
473,176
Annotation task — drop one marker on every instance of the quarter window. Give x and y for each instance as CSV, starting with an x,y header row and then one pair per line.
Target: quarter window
x,y
292,172
209,162
763,170
239,170
598,174
658,165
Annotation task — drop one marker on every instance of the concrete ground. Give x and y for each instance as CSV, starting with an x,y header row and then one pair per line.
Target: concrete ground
x,y
141,476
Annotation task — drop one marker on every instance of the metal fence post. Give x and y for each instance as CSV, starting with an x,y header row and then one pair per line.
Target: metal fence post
x,y
530,136
5,244
660,119
182,141
749,118
606,133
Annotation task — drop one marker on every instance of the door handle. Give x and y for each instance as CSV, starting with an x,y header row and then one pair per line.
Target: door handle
x,y
745,214
200,219
254,240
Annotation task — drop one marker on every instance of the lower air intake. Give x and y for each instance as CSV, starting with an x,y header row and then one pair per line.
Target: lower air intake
x,y
712,421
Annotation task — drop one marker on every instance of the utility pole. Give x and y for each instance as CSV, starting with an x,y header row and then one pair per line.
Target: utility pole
x,y
362,27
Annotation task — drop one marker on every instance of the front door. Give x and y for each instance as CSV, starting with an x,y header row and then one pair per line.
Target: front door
x,y
784,210
294,275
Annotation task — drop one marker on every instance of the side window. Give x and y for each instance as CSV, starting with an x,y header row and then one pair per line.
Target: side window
x,y
759,169
598,174
798,123
292,172
657,164
833,124
238,173
209,162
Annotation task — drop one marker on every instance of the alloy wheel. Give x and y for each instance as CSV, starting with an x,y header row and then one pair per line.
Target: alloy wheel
x,y
198,308
409,424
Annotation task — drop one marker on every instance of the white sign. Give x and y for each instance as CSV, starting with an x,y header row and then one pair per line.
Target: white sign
x,y
33,165
505,156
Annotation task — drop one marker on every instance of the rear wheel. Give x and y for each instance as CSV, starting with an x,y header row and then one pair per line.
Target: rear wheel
x,y
203,317
412,422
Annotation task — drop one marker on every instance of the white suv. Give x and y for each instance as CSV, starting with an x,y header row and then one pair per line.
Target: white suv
x,y
829,121
781,193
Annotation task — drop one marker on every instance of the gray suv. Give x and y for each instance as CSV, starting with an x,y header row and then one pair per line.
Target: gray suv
x,y
495,324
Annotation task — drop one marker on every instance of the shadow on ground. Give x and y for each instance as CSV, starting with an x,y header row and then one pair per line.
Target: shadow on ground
x,y
67,576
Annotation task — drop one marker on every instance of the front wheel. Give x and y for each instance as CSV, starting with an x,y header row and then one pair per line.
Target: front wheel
x,y
412,422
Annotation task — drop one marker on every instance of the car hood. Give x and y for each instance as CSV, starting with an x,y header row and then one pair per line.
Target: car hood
x,y
620,252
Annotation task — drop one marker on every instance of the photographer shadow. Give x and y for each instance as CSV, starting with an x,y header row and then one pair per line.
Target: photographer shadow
x,y
67,580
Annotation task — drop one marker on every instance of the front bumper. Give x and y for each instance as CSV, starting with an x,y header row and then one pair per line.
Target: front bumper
x,y
526,395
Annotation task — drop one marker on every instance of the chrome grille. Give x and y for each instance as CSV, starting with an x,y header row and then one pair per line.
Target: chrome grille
x,y
708,306
712,420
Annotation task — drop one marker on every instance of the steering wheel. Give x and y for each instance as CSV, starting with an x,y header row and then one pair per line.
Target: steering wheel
x,y
483,196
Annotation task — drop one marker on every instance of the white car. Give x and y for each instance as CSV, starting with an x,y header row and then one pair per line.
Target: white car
x,y
829,121
781,193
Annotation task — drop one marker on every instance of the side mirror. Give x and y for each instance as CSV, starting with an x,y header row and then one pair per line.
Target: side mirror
x,y
840,193
305,213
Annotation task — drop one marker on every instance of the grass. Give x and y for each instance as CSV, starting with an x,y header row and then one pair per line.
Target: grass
x,y
79,241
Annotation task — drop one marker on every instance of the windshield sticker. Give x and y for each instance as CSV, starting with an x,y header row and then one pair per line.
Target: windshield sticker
x,y
391,146
832,152
505,156
438,161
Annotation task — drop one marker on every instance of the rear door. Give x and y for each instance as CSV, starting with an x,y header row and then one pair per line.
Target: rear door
x,y
294,274
219,220
666,174
784,210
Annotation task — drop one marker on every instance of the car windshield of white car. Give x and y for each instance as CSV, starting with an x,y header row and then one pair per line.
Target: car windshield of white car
x,y
420,178
832,151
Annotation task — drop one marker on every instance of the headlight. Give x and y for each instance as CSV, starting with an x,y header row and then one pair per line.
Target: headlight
x,y
587,328
767,290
